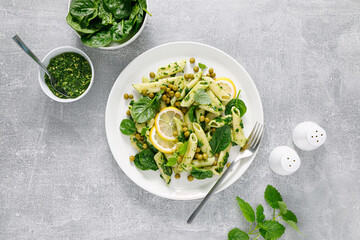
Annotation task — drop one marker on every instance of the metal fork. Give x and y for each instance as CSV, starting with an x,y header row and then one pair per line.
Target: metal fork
x,y
246,151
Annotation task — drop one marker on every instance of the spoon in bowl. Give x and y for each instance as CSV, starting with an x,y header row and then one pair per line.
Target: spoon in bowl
x,y
22,45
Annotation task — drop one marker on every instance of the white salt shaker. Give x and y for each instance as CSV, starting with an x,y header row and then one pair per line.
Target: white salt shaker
x,y
284,160
308,136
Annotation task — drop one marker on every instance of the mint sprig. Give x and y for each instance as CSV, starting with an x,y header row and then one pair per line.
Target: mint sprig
x,y
268,229
202,97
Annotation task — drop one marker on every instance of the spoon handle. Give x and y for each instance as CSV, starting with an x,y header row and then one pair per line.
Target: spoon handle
x,y
23,46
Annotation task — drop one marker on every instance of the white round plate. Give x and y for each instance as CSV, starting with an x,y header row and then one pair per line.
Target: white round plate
x,y
150,61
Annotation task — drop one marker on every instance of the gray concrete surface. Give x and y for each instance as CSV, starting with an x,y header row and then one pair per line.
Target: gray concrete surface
x,y
58,179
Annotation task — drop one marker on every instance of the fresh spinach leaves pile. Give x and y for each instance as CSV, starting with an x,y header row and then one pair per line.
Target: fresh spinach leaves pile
x,y
99,22
268,229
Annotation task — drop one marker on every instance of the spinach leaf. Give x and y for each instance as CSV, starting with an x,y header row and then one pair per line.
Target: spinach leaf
x,y
221,139
201,173
121,9
192,113
138,164
238,103
77,26
105,16
152,148
145,108
143,6
121,30
146,158
127,127
99,39
134,11
139,20
84,9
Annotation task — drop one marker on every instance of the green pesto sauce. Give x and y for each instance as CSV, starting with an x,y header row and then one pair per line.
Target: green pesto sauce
x,y
72,74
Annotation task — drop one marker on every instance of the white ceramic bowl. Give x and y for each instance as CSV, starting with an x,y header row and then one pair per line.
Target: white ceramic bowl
x,y
46,60
116,45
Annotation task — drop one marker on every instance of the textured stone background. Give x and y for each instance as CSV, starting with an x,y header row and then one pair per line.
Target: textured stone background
x,y
58,179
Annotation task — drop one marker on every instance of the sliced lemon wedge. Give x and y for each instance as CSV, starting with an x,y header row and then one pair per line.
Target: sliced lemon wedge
x,y
161,144
227,85
165,124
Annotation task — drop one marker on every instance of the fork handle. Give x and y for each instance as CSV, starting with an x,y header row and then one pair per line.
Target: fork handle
x,y
25,48
211,192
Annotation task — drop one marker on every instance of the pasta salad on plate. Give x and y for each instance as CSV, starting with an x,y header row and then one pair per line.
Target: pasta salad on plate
x,y
184,122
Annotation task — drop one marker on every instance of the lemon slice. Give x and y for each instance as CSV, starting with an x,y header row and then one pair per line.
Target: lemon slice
x,y
165,124
161,144
227,85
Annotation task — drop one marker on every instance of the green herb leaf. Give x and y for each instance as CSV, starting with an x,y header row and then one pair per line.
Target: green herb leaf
x,y
246,209
98,39
237,234
145,108
127,127
138,164
271,230
260,217
272,196
134,11
221,139
191,113
201,173
289,216
171,161
84,10
239,104
146,158
183,148
202,97
78,26
105,16
121,30
121,9
143,6
282,207
202,66
139,20
294,226
143,131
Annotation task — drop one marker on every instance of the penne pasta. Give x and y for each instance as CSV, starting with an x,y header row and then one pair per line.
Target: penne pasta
x,y
218,90
223,159
216,107
191,84
203,163
155,87
189,98
165,171
221,121
198,113
239,137
202,140
190,152
170,69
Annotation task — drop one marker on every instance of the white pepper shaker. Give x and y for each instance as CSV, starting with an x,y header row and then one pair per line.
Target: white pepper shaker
x,y
284,160
308,136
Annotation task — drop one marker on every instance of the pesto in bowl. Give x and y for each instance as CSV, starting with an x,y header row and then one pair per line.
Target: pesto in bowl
x,y
72,74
